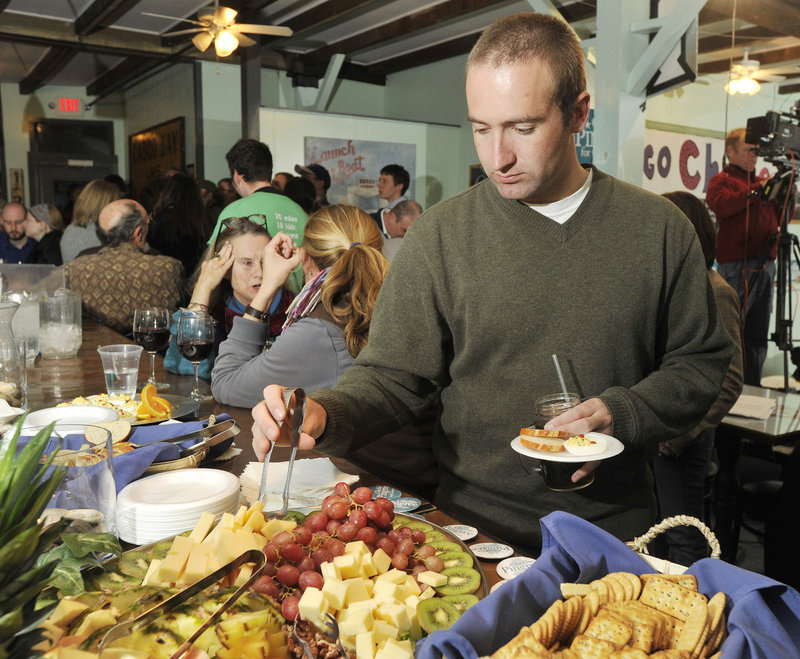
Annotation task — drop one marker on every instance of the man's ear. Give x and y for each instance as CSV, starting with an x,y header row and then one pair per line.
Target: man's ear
x,y
138,237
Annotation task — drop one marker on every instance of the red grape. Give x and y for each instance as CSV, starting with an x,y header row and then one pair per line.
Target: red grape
x,y
358,517
269,569
417,569
292,552
337,510
310,578
400,561
347,531
282,538
419,536
425,551
271,551
368,535
316,521
303,535
383,520
406,532
288,575
405,546
372,510
342,489
334,546
333,526
321,556
434,563
306,563
266,585
384,503
395,536
289,607
387,545
361,495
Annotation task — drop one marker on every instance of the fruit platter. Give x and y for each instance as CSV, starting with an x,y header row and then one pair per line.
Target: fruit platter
x,y
148,407
349,579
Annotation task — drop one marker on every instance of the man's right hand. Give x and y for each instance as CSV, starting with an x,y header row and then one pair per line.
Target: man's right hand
x,y
269,427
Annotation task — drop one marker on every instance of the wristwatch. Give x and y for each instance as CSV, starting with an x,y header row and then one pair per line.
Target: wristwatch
x,y
261,316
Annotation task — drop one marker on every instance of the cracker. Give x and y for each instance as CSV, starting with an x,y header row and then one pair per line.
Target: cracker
x,y
628,653
602,589
119,429
627,585
695,630
611,626
620,588
573,611
592,602
573,589
645,625
672,598
685,580
588,647
716,608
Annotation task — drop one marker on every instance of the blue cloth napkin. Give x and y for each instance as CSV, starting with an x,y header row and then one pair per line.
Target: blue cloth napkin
x,y
130,466
763,615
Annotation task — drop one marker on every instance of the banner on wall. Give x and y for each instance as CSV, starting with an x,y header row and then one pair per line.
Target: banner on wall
x,y
355,167
677,161
153,151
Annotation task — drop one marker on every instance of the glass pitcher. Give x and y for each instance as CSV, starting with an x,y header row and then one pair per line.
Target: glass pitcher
x,y
13,381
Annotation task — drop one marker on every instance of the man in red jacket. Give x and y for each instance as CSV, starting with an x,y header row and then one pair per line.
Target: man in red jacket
x,y
746,244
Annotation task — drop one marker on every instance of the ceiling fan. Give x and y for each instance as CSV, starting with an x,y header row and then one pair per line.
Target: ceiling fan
x,y
218,25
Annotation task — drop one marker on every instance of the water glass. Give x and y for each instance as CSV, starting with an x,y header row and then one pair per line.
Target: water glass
x,y
25,323
60,332
121,368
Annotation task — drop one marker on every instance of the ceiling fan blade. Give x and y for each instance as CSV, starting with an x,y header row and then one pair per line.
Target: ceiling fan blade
x,y
245,41
768,78
172,18
224,15
179,33
274,30
202,41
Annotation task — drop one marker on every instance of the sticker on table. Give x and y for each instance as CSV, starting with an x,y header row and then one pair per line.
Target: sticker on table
x,y
497,585
462,531
391,493
406,504
514,566
491,550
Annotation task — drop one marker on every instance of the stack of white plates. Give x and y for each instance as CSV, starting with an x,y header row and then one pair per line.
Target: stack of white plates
x,y
171,502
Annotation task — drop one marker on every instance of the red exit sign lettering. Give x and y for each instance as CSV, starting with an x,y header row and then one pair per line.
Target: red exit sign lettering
x,y
69,105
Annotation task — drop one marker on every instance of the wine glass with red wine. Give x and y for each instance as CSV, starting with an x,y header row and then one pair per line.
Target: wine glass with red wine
x,y
151,331
195,343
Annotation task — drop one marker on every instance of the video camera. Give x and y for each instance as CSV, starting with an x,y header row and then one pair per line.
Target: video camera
x,y
776,134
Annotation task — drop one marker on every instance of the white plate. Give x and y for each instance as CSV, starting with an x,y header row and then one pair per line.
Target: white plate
x,y
72,414
179,491
613,447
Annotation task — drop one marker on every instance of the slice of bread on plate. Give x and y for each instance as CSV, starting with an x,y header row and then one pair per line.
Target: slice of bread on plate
x,y
543,440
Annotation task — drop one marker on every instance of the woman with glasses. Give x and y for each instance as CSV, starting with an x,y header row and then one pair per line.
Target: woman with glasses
x,y
225,283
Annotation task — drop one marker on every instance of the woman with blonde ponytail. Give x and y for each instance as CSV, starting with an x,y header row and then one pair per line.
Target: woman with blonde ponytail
x,y
327,324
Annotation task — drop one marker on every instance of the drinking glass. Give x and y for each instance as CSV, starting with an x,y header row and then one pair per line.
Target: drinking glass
x,y
195,343
151,331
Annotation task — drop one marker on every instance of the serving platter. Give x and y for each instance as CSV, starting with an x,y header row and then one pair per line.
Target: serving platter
x,y
613,447
125,407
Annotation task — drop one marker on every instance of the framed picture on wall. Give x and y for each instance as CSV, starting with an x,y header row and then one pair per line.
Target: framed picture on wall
x,y
151,152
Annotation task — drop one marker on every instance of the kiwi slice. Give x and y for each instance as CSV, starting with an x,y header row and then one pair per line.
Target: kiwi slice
x,y
434,536
161,549
436,613
460,580
442,546
135,564
462,602
111,581
456,559
413,524
294,516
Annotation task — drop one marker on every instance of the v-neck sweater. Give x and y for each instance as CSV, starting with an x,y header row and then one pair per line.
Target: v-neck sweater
x,y
483,291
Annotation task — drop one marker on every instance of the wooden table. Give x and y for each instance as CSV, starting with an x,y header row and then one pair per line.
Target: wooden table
x,y
51,381
782,427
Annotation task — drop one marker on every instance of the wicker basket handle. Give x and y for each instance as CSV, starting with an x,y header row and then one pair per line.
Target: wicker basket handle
x,y
640,544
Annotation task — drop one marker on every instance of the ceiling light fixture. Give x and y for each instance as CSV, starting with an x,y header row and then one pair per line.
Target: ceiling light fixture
x,y
225,43
742,85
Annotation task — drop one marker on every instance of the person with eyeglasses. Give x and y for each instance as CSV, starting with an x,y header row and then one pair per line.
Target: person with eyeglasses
x,y
15,245
250,164
224,284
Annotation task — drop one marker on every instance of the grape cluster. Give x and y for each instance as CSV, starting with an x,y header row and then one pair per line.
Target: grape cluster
x,y
294,558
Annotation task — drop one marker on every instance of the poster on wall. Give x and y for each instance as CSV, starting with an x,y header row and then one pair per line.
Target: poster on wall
x,y
678,161
355,166
153,151
17,187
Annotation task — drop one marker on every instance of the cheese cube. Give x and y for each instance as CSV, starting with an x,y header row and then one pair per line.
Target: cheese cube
x,y
330,571
396,614
181,545
394,576
427,593
271,528
151,576
356,590
335,591
244,574
392,649
365,645
367,567
432,578
247,539
227,521
382,561
66,611
383,630
288,524
348,565
227,545
388,590
412,587
357,621
171,568
255,507
202,527
197,564
313,606
356,547
255,521
241,516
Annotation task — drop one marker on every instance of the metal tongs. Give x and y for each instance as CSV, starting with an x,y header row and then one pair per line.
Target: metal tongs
x,y
210,436
298,416
127,628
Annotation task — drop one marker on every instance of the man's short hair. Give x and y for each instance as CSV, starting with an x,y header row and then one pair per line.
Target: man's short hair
x,y
734,137
122,231
252,159
406,208
399,174
523,37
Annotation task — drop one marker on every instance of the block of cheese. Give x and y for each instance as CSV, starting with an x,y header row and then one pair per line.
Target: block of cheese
x,y
202,527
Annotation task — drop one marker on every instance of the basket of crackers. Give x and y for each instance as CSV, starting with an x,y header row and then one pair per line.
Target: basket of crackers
x,y
591,595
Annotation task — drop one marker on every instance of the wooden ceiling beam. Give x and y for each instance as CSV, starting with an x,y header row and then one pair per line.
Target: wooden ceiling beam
x,y
780,16
102,13
53,61
744,39
417,23
765,58
442,51
791,88
118,75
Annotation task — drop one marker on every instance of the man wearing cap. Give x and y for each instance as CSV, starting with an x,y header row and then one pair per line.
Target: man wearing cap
x,y
48,239
15,245
321,179
250,162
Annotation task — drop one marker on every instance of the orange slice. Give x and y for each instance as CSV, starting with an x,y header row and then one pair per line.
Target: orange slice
x,y
152,406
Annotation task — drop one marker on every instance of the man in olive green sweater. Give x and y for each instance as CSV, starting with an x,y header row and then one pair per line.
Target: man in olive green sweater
x,y
546,257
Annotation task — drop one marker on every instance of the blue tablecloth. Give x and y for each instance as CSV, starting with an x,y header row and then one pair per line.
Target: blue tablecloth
x,y
130,466
763,615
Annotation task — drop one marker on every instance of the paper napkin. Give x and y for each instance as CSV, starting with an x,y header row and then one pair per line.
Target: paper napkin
x,y
754,407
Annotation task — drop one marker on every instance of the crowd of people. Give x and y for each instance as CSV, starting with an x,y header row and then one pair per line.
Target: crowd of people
x,y
405,363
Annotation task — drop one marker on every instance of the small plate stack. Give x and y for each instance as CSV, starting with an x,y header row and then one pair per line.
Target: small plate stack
x,y
169,503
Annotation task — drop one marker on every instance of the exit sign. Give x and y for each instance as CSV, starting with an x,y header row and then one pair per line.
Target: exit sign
x,y
70,105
